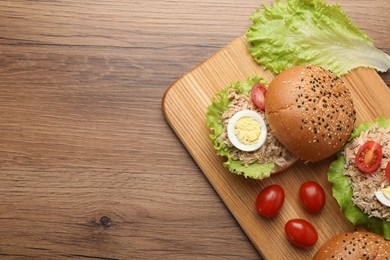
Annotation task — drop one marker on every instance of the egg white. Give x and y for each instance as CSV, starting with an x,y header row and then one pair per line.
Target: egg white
x,y
382,198
234,139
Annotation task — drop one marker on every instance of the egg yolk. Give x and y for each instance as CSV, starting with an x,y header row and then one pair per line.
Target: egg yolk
x,y
247,130
386,192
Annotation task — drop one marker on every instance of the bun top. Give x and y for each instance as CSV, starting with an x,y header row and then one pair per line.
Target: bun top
x,y
310,111
354,245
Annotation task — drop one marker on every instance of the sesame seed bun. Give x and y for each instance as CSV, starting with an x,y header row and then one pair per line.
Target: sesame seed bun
x,y
310,111
354,245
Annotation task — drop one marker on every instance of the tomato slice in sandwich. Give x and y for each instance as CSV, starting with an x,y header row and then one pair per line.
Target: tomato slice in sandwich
x,y
388,171
369,157
258,93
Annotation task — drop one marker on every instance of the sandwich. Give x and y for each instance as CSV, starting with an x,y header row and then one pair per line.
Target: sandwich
x,y
305,113
244,158
360,177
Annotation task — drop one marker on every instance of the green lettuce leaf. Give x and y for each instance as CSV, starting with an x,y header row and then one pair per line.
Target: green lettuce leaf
x,y
342,190
214,122
298,32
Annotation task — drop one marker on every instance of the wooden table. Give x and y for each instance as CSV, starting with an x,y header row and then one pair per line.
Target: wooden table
x,y
89,167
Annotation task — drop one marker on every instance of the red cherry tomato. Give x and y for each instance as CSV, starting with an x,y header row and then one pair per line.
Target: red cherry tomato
x,y
388,170
270,200
258,93
312,196
369,157
300,233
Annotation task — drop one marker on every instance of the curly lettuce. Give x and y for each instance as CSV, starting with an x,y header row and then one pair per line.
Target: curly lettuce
x,y
342,190
299,32
214,122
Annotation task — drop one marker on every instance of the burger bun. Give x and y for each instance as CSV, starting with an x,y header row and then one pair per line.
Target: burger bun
x,y
354,245
310,111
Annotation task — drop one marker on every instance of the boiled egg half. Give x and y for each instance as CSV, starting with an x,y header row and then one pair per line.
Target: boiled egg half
x,y
247,130
383,196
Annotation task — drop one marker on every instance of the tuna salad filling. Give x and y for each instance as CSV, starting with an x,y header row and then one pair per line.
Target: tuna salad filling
x,y
272,151
364,185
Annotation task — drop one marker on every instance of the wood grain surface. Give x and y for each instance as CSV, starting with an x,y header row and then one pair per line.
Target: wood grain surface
x,y
184,106
89,166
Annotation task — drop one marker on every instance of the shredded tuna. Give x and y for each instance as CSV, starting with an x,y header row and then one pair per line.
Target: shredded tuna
x,y
364,185
271,152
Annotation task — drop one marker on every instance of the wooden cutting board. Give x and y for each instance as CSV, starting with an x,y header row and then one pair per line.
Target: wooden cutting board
x,y
184,107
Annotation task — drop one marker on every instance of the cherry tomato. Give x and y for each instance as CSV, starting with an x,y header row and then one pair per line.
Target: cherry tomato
x,y
301,233
258,93
312,196
369,157
270,200
388,170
